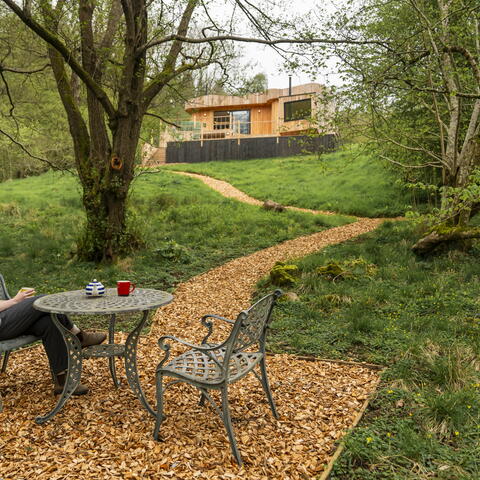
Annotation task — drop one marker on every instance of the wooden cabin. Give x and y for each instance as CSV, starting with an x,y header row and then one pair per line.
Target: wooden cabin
x,y
278,112
289,111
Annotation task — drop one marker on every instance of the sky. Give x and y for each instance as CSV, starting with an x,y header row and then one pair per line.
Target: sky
x,y
265,59
270,63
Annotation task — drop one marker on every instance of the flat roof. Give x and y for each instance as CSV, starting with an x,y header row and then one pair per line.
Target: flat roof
x,y
208,102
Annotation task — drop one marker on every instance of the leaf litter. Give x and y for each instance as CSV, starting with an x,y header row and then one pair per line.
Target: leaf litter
x,y
106,434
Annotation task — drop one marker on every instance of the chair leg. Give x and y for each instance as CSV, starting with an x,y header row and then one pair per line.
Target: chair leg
x,y
5,361
266,387
201,402
228,425
160,416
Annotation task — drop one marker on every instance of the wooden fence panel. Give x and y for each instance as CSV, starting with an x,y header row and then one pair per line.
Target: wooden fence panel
x,y
246,148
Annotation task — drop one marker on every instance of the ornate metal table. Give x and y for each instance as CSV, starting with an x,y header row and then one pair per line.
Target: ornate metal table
x,y
77,303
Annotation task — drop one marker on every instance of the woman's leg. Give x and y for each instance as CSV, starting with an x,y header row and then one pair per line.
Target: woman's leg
x,y
23,319
53,342
17,319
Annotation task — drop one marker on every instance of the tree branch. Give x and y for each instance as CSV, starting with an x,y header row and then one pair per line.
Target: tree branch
x,y
67,55
151,114
44,160
168,67
24,72
235,38
9,95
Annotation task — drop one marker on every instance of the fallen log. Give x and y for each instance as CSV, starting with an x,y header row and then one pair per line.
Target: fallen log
x,y
271,205
455,236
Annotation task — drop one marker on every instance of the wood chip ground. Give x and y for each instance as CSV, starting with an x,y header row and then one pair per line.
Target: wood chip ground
x,y
107,435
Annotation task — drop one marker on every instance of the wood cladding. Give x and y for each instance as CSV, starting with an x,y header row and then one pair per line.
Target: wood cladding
x,y
266,112
249,101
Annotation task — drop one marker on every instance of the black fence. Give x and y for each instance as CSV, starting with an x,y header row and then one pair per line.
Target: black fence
x,y
245,148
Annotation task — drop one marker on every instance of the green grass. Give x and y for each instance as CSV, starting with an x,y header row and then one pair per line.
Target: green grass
x,y
419,319
383,305
187,227
347,182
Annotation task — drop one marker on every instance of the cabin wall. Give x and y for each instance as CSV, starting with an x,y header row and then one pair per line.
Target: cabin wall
x,y
295,126
261,120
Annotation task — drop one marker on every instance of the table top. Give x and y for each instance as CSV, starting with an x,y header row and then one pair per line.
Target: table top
x,y
78,303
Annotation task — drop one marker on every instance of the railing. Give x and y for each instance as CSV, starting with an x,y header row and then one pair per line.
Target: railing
x,y
227,127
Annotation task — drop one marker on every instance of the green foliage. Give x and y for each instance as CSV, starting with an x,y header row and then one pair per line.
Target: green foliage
x,y
31,112
419,318
456,201
256,84
353,268
347,182
408,108
186,228
171,250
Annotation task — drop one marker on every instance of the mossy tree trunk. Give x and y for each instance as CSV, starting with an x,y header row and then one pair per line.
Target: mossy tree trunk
x,y
105,134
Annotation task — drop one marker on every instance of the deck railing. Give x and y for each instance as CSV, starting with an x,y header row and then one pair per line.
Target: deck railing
x,y
227,128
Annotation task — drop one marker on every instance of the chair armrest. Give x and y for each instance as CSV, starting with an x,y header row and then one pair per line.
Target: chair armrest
x,y
209,325
161,341
218,317
166,347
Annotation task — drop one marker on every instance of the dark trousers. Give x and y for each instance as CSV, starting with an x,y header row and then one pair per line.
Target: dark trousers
x,y
23,319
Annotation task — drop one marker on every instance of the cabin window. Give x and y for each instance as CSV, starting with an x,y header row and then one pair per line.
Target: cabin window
x,y
241,121
237,120
221,120
297,110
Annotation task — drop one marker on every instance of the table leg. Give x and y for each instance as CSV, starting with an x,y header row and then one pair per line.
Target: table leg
x,y
111,341
131,364
74,370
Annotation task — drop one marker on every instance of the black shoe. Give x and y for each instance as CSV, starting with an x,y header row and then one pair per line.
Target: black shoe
x,y
88,339
60,383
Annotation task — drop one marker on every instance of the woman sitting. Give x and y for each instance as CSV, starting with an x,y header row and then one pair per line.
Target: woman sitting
x,y
18,317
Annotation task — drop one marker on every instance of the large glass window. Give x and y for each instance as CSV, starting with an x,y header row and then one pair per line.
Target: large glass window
x,y
237,120
297,110
241,121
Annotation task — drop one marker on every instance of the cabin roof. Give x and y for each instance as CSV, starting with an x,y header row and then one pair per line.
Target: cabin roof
x,y
207,102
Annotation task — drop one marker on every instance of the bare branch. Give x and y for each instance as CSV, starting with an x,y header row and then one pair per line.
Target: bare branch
x,y
44,160
9,95
23,72
235,38
151,114
403,165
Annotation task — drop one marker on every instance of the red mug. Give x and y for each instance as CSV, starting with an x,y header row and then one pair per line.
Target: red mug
x,y
125,288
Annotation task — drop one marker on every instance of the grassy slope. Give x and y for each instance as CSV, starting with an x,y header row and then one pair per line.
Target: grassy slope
x,y
419,318
188,229
346,182
416,317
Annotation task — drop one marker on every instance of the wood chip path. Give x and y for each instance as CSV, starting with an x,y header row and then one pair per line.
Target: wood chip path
x,y
106,434
230,191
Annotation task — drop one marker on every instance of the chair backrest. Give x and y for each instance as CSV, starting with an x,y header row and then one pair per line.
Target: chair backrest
x,y
251,325
3,289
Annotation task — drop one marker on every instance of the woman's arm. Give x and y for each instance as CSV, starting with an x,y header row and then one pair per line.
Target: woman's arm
x,y
19,297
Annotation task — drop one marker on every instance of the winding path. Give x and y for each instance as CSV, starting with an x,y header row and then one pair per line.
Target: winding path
x,y
229,191
106,435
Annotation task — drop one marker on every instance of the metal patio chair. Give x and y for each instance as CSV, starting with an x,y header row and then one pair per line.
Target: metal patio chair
x,y
6,346
215,366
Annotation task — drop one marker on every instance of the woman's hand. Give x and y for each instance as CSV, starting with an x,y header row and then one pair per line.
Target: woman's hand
x,y
23,294
19,297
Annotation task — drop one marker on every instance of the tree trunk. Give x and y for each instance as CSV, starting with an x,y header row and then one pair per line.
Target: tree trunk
x,y
435,240
105,195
